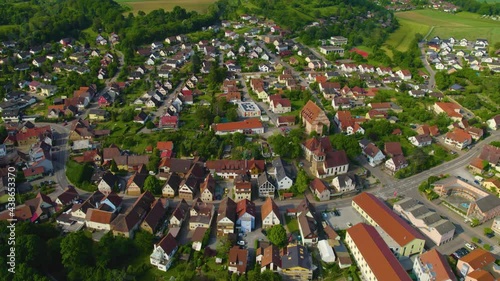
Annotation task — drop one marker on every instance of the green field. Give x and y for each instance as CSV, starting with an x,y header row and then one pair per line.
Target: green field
x,y
460,25
150,5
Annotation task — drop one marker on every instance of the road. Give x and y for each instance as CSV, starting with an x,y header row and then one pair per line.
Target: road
x,y
432,73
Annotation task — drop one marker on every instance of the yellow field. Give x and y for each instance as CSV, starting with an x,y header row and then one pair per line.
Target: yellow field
x,y
149,5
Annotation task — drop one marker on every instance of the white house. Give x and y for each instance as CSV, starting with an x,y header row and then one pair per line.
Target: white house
x,y
284,173
270,213
163,252
373,155
420,140
343,183
494,123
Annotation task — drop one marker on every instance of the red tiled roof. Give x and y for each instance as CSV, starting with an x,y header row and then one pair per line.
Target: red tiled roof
x,y
390,222
252,123
165,145
376,253
450,108
459,135
439,265
268,207
318,185
478,258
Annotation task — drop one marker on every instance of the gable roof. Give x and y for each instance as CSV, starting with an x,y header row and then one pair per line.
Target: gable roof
x,y
245,206
478,258
168,244
99,216
297,256
311,111
153,218
438,265
68,195
400,231
227,209
271,254
268,207
376,253
318,185
239,258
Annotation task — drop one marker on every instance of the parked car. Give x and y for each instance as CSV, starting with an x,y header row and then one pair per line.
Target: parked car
x,y
241,243
470,246
490,235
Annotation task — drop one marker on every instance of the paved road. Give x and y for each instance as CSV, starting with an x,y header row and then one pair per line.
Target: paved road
x,y
432,73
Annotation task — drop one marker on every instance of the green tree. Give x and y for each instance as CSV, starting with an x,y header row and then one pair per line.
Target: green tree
x,y
76,250
277,235
487,231
223,247
152,184
301,183
113,167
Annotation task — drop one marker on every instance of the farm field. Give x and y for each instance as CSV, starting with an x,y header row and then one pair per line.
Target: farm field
x,y
460,25
146,6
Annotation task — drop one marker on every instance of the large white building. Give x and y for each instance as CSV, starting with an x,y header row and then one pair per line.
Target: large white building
x,y
402,239
248,109
374,258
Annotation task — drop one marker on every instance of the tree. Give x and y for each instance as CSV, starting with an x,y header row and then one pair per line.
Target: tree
x,y
301,183
76,250
152,184
223,247
277,235
113,168
150,125
487,231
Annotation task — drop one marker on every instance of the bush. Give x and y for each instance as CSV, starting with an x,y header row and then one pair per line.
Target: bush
x,y
475,240
487,247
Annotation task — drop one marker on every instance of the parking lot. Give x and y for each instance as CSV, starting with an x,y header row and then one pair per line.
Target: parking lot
x,y
348,216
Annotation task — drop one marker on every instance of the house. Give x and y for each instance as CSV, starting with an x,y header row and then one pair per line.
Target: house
x,y
189,186
492,184
326,162
280,105
373,154
392,149
135,183
180,214
242,189
477,165
245,214
396,163
34,210
428,130
492,155
437,229
270,213
404,74
230,169
320,189
68,197
207,189
126,224
477,262
373,255
307,220
237,260
401,237
268,258
314,119
171,187
248,126
154,219
201,214
265,185
458,138
452,110
163,252
475,133
226,217
296,263
420,140
97,114
108,183
344,183
494,123
285,173
432,265
97,219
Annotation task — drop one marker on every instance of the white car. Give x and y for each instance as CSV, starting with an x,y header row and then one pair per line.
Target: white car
x,y
470,246
241,243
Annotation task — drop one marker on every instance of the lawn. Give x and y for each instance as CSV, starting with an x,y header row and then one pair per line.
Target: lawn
x,y
4,198
460,25
150,5
292,224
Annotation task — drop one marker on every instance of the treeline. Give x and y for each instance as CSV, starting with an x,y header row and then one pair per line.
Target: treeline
x,y
42,253
351,19
482,8
40,21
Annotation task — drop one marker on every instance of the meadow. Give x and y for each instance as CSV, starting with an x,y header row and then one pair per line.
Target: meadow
x,y
146,6
460,25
